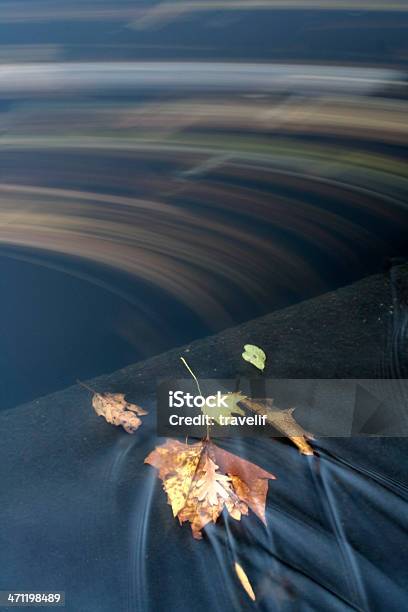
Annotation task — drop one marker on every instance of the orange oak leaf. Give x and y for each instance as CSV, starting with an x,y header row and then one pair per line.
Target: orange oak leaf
x,y
117,411
202,479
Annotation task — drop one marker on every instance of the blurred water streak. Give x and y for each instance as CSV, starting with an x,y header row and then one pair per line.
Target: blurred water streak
x,y
194,164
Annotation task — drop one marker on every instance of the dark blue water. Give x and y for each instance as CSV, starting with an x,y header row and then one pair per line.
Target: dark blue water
x,y
145,204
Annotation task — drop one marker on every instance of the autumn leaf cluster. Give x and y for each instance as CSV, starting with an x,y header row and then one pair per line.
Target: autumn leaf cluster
x,y
202,479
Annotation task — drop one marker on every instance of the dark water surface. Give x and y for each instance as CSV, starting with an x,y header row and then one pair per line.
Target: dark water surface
x,y
81,512
66,317
167,171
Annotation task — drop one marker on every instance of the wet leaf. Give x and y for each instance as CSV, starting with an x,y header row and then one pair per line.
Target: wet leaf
x,y
283,421
243,578
232,400
255,355
201,480
249,480
116,410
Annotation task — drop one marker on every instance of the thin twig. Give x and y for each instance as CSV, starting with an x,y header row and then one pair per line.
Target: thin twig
x,y
198,387
192,374
85,386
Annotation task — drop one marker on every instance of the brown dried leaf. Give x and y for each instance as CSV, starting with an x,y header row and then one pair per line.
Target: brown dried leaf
x,y
209,492
249,480
177,464
283,421
198,490
117,411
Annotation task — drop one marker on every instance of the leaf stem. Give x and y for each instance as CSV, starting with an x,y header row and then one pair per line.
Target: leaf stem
x,y
198,387
192,374
85,386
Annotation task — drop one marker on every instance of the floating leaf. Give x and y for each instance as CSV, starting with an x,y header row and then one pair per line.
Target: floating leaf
x,y
243,578
117,411
283,421
255,355
232,400
201,480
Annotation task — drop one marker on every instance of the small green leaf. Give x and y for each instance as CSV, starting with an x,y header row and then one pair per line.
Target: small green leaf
x,y
254,355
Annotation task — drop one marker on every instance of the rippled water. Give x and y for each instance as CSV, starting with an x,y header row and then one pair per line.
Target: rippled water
x,y
168,170
191,196
98,524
